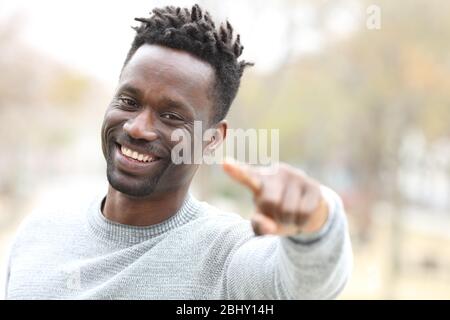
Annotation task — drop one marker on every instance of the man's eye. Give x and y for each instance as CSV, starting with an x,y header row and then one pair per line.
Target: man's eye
x,y
171,116
128,102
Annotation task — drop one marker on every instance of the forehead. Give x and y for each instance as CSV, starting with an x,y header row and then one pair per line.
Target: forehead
x,y
157,69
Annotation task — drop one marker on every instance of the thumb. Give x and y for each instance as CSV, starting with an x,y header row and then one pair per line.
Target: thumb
x,y
243,174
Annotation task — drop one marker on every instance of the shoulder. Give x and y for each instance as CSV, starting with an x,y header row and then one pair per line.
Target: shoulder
x,y
222,224
64,211
52,220
218,216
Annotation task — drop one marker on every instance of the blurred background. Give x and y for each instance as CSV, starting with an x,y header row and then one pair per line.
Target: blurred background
x,y
360,91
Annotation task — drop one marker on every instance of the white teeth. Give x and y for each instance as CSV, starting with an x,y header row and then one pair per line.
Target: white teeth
x,y
135,155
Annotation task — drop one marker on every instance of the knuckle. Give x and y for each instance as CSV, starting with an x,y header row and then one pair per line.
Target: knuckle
x,y
301,219
267,203
288,212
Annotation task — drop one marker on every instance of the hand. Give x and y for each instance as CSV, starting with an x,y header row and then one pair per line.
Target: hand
x,y
288,202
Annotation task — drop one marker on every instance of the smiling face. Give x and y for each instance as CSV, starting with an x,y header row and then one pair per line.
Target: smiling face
x,y
160,90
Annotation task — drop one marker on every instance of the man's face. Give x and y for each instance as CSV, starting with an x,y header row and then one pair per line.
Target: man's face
x,y
160,90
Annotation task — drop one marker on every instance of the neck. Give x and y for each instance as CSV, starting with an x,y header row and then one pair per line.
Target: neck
x,y
145,211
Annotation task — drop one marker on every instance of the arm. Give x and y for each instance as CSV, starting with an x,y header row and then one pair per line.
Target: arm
x,y
312,261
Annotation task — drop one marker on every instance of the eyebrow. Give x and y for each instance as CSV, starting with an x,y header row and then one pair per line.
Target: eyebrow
x,y
129,89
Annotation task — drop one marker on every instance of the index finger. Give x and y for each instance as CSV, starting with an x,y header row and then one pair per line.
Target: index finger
x,y
243,173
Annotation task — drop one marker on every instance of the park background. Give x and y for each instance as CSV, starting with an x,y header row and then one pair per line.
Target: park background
x,y
363,105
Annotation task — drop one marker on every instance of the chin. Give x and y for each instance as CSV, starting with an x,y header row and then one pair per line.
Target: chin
x,y
131,186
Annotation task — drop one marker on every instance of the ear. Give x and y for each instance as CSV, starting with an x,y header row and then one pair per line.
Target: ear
x,y
218,134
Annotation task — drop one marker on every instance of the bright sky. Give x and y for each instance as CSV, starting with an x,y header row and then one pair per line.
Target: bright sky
x,y
94,36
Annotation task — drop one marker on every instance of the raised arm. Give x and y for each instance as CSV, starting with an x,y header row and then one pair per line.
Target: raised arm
x,y
306,251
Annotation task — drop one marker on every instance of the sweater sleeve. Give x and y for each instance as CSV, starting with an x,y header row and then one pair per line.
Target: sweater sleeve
x,y
309,266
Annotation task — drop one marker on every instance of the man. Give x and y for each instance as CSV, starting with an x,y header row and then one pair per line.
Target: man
x,y
149,238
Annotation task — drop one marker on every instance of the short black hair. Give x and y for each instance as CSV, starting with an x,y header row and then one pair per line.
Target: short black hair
x,y
194,31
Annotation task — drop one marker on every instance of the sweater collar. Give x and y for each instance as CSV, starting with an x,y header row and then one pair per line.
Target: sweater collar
x,y
127,234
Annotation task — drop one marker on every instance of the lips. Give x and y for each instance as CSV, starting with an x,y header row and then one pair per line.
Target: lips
x,y
133,154
133,161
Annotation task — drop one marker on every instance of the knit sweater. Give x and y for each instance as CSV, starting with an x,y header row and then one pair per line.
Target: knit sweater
x,y
200,252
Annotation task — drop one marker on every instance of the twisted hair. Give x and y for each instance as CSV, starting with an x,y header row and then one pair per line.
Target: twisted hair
x,y
194,31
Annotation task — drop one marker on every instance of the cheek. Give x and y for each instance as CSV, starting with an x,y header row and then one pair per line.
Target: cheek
x,y
114,116
111,120
181,174
165,133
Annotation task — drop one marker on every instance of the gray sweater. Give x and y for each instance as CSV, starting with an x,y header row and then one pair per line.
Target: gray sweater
x,y
200,252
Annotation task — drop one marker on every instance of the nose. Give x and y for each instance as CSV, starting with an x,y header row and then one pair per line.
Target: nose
x,y
141,126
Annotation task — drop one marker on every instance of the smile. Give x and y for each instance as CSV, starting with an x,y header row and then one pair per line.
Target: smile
x,y
130,159
137,156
